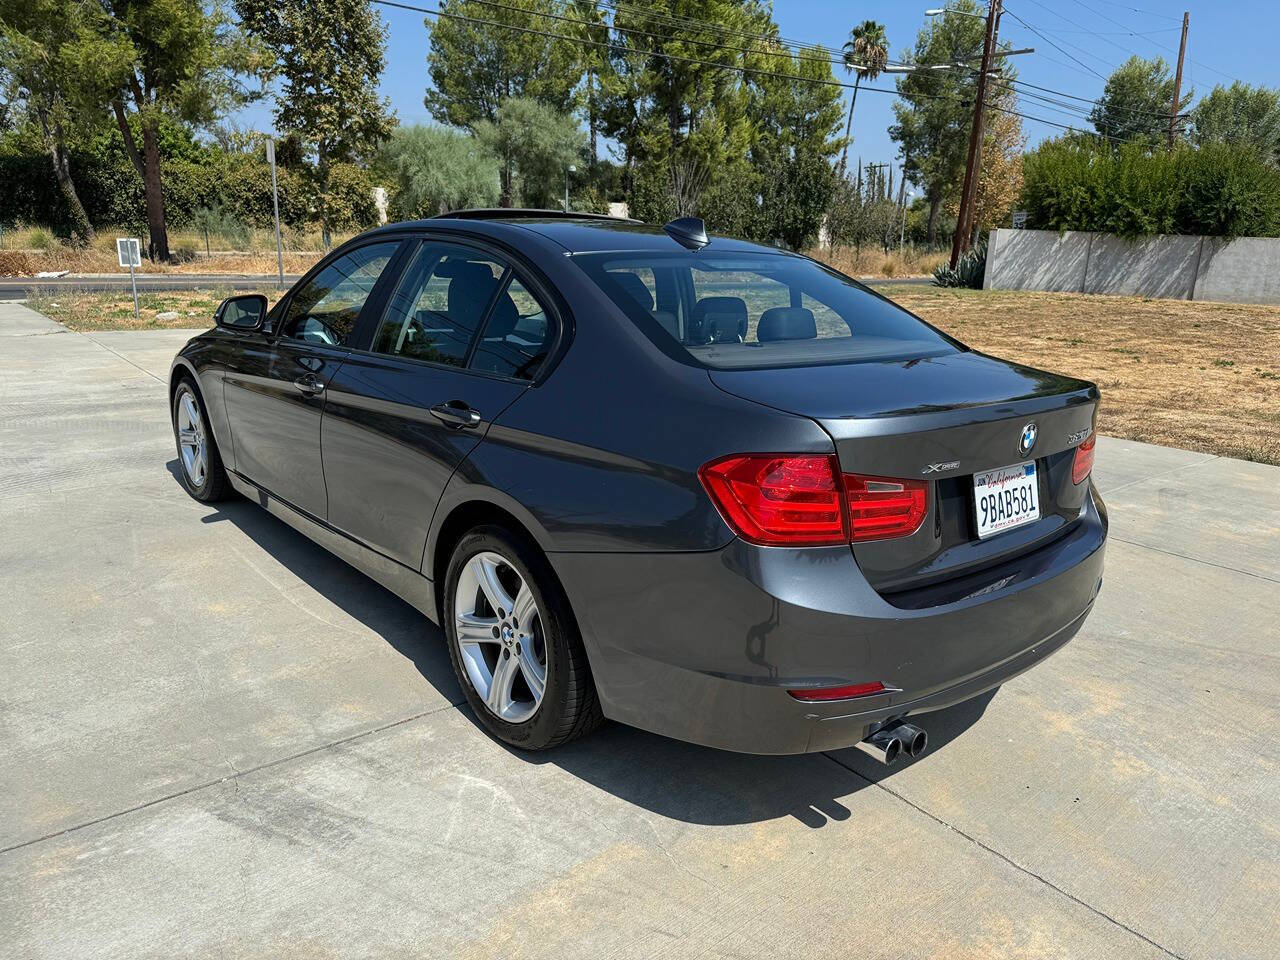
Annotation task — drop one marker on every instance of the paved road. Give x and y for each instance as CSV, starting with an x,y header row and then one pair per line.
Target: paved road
x,y
218,741
19,288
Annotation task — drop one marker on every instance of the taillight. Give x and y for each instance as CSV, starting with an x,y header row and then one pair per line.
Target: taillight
x,y
1082,466
804,500
778,500
881,508
839,693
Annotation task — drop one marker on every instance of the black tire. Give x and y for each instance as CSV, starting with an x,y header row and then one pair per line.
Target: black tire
x,y
570,707
214,485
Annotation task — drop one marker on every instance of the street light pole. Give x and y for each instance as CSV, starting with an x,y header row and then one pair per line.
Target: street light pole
x,y
960,242
568,170
275,204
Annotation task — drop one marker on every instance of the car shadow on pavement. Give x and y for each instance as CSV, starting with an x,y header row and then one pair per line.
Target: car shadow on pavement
x,y
667,777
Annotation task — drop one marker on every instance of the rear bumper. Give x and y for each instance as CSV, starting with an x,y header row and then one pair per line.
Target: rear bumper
x,y
703,646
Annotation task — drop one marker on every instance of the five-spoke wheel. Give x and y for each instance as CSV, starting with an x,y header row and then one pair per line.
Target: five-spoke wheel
x,y
201,466
500,637
514,642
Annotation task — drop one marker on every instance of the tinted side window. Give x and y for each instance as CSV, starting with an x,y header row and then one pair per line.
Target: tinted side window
x,y
439,304
517,335
326,308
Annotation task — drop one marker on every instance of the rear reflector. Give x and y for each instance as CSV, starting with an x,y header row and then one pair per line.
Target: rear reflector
x,y
789,500
839,693
1082,466
803,500
881,508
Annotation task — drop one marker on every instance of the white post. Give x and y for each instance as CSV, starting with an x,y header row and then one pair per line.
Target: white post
x,y
275,202
134,280
129,254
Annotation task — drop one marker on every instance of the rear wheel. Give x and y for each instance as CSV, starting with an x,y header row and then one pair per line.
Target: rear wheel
x,y
199,464
514,644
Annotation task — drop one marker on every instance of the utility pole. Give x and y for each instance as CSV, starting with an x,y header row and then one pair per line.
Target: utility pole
x,y
1177,81
960,242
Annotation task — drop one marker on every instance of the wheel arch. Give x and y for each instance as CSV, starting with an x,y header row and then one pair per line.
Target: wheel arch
x,y
477,508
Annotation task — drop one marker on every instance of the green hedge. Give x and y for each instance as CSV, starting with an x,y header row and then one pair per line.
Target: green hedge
x,y
1215,190
111,191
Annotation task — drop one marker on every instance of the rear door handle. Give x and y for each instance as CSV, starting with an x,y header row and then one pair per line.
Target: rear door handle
x,y
455,413
309,384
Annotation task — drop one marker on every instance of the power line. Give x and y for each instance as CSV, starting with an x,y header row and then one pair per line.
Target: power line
x,y
1149,13
1162,46
1054,45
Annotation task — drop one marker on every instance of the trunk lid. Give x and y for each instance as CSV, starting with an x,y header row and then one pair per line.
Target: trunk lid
x,y
942,419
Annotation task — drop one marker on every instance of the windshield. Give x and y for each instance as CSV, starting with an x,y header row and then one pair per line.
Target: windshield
x,y
758,310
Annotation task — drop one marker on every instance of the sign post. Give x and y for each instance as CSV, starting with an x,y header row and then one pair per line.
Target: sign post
x,y
129,253
275,202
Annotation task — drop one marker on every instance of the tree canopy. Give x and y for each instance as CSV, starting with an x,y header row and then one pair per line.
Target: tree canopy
x,y
1240,114
328,57
1136,101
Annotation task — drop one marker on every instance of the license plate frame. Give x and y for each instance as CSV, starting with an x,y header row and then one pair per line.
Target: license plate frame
x,y
1006,498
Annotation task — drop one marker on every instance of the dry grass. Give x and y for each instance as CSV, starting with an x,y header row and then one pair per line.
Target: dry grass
x,y
874,262
87,312
32,249
1202,376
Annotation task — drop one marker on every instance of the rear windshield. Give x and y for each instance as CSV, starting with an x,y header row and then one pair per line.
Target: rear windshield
x,y
758,310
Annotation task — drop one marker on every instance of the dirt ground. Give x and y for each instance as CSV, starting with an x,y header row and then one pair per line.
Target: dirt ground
x,y
87,312
1202,376
1197,375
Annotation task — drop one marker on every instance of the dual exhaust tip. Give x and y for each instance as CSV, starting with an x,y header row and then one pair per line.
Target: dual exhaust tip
x,y
889,743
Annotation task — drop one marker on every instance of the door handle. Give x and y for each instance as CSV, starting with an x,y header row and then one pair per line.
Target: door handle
x,y
455,413
309,384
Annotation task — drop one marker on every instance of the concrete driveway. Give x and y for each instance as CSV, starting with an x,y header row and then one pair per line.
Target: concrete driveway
x,y
217,740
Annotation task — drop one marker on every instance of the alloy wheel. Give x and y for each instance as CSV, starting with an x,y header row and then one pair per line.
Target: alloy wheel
x,y
191,438
500,637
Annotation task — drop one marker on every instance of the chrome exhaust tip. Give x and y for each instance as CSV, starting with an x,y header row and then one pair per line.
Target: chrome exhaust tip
x,y
883,745
914,740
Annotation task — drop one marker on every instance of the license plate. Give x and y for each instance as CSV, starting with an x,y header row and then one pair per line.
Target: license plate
x,y
1006,498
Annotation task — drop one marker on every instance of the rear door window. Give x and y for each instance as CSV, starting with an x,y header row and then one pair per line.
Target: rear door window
x,y
439,304
460,307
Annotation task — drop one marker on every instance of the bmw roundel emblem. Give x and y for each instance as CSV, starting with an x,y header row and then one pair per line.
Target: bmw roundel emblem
x,y
1028,439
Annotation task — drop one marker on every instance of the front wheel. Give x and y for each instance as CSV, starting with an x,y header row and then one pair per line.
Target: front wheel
x,y
198,460
514,643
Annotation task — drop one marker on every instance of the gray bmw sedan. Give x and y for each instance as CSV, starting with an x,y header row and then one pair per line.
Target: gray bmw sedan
x,y
705,487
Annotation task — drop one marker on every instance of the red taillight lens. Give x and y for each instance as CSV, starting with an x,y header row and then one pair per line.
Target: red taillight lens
x,y
778,500
1082,466
881,507
839,693
796,500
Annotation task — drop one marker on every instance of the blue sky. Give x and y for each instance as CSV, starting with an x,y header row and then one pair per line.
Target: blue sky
x,y
1227,40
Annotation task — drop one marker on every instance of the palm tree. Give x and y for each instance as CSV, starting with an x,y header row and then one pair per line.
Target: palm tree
x,y
865,55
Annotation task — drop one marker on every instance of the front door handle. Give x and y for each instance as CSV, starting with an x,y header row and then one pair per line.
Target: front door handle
x,y
455,413
310,384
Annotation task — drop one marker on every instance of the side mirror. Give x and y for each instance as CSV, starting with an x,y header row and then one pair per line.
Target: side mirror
x,y
243,313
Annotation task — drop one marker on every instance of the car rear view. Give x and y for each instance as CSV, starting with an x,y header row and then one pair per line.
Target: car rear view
x,y
948,540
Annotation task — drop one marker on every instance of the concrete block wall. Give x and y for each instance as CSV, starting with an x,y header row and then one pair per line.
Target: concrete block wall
x,y
1246,270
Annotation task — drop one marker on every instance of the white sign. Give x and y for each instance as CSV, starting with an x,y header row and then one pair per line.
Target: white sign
x,y
1019,219
128,251
271,152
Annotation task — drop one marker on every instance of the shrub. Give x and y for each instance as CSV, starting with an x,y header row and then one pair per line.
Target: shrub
x,y
1136,190
14,264
969,270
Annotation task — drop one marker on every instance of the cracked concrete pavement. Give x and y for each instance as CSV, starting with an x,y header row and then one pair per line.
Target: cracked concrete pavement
x,y
217,740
